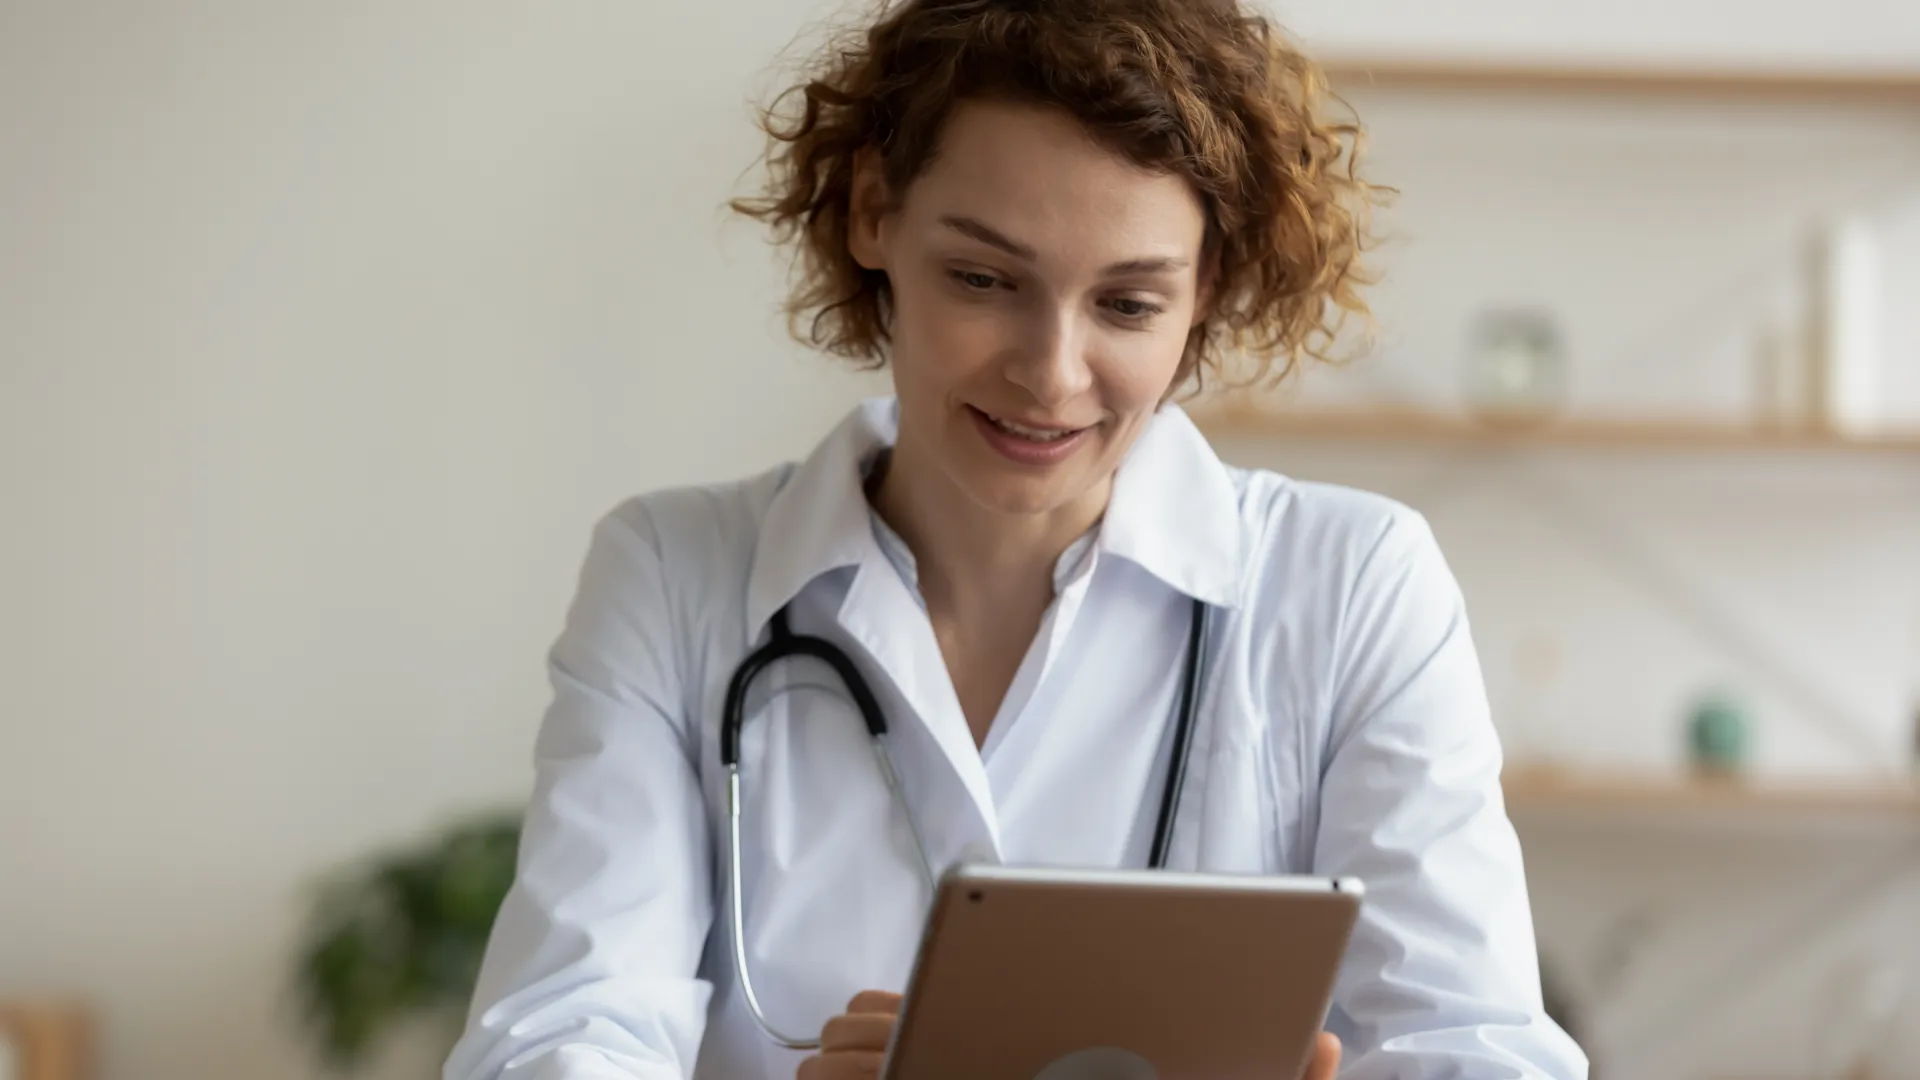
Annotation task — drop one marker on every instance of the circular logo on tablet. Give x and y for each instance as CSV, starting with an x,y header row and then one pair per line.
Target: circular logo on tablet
x,y
1099,1063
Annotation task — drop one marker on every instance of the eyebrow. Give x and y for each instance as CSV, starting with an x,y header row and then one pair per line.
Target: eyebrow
x,y
986,234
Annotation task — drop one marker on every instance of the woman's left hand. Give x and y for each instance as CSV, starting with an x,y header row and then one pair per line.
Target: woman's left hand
x,y
854,1044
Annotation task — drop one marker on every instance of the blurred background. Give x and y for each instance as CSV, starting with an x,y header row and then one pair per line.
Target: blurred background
x,y
328,330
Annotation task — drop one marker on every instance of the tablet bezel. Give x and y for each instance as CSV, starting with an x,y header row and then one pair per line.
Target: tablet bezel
x,y
1321,908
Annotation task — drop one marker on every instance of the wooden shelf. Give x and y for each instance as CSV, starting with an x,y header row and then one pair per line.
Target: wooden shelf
x,y
1892,86
1416,425
1549,788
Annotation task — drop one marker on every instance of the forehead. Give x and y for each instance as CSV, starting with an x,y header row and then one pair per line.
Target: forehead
x,y
1037,176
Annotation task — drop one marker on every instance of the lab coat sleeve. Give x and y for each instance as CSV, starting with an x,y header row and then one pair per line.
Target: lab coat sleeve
x,y
1442,978
590,972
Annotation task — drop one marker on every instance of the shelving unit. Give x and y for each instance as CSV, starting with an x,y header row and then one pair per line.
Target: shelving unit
x,y
1898,87
1544,787
1409,424
1892,86
1624,806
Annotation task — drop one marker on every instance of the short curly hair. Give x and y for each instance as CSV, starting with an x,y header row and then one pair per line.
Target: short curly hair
x,y
1202,89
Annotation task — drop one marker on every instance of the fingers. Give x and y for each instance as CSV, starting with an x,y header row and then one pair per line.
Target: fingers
x,y
1326,1058
855,1032
860,1066
853,1045
866,1025
875,1001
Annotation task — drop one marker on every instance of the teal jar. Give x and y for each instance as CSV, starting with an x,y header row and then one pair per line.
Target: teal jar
x,y
1718,735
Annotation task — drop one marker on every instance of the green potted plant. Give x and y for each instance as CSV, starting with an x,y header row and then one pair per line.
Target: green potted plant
x,y
397,938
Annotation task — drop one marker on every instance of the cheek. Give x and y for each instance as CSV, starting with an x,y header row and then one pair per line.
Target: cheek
x,y
1140,368
940,338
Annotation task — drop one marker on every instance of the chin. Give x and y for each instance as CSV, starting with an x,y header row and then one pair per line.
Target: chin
x,y
1006,493
1019,504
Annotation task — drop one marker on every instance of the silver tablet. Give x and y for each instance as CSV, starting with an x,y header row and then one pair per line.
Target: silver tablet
x,y
1036,974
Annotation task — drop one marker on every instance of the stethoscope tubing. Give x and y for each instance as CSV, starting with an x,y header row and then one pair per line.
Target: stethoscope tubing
x,y
1182,739
786,644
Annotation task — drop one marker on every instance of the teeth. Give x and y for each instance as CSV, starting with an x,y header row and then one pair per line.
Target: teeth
x,y
1031,434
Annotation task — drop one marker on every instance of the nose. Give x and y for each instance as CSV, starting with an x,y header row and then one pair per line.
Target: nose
x,y
1051,362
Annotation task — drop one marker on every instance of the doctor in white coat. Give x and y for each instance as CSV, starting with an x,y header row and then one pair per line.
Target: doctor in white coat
x,y
1045,235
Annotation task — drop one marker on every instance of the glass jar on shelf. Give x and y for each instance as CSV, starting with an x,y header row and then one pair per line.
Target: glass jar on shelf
x,y
1515,368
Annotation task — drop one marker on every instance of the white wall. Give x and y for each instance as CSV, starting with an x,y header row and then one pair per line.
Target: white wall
x,y
326,331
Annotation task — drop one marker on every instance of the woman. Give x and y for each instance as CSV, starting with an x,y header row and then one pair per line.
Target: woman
x,y
1046,219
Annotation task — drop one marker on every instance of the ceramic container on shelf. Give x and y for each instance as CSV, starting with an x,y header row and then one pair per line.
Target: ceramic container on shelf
x,y
1719,736
1515,367
1845,339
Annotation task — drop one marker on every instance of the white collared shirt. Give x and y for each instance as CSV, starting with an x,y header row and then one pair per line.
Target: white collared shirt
x,y
1344,730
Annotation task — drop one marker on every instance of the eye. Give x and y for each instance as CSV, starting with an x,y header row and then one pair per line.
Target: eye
x,y
974,279
1132,308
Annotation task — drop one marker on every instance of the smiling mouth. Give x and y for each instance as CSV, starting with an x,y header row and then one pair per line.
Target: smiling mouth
x,y
1031,434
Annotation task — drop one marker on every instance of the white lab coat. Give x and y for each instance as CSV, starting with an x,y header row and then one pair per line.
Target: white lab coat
x,y
1343,729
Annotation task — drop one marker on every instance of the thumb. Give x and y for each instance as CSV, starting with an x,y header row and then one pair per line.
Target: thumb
x,y
1326,1058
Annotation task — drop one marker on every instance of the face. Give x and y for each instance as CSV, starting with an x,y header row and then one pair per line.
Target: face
x,y
1043,292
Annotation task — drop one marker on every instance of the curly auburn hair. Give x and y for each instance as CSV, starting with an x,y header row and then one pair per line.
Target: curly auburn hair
x,y
1200,89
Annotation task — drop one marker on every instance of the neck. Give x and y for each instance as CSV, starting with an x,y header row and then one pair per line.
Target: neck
x,y
976,563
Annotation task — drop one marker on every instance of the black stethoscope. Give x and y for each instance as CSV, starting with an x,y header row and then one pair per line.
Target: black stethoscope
x,y
785,644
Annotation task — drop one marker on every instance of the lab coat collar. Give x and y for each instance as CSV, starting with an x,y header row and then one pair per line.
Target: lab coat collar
x,y
1174,512
820,520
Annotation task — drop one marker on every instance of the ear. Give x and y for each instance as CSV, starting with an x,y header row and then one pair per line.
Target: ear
x,y
867,211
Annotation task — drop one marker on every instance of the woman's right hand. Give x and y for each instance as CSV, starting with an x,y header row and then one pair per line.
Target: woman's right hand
x,y
853,1044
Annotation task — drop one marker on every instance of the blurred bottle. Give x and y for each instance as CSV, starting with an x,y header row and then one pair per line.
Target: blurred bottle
x,y
1845,329
1915,761
1782,391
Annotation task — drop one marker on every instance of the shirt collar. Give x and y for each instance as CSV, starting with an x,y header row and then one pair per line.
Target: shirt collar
x,y
1174,512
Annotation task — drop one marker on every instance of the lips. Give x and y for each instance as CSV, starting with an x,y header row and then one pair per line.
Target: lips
x,y
1028,444
1032,434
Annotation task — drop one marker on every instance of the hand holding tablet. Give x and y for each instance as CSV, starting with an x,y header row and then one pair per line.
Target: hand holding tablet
x,y
1029,974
